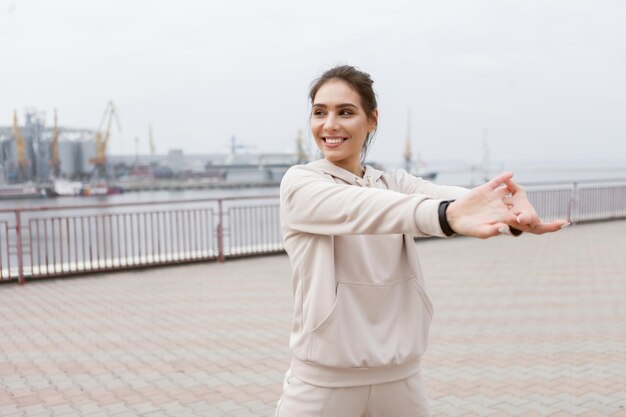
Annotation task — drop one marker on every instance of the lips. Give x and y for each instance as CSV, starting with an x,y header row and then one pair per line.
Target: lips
x,y
334,140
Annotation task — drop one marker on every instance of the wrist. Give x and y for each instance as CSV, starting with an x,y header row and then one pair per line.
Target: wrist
x,y
443,218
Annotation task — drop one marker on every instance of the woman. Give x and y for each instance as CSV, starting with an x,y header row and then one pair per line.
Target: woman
x,y
361,315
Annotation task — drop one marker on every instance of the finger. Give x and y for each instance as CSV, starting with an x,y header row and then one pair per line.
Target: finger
x,y
509,218
529,219
502,178
541,227
512,185
505,230
490,230
503,192
510,231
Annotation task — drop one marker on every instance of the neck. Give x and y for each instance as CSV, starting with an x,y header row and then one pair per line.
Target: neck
x,y
351,166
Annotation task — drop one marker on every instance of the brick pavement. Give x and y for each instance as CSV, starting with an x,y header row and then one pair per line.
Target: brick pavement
x,y
523,327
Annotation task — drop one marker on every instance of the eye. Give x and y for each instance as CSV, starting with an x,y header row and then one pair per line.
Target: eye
x,y
346,112
318,113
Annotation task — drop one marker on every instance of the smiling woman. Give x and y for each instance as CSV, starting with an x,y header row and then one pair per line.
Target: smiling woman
x,y
361,313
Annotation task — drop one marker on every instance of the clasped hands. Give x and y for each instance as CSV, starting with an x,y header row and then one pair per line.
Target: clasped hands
x,y
492,208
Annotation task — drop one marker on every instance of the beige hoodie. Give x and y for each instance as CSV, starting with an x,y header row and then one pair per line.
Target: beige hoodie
x,y
361,314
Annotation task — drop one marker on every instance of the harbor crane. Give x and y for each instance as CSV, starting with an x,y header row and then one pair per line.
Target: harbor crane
x,y
408,155
19,143
55,162
300,152
102,139
234,146
409,166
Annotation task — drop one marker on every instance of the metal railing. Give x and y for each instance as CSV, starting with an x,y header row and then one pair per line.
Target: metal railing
x,y
579,201
59,241
66,240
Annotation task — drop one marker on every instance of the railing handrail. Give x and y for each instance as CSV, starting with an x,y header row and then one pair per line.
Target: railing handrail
x,y
614,181
266,196
572,183
137,203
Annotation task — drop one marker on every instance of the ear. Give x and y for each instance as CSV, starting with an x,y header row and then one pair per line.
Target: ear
x,y
373,120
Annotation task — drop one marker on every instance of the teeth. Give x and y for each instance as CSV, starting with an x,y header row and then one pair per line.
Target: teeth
x,y
333,141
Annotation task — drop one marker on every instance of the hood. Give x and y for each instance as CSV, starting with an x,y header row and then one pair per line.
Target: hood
x,y
371,174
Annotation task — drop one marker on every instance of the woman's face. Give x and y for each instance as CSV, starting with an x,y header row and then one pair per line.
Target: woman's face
x,y
339,124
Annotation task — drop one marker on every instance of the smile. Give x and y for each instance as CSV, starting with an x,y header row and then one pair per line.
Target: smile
x,y
333,141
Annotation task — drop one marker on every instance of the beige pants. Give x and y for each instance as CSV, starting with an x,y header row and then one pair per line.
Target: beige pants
x,y
404,398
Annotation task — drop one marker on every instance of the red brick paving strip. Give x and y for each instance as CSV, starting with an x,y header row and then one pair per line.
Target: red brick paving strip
x,y
523,327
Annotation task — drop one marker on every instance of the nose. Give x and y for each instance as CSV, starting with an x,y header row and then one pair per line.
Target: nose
x,y
331,123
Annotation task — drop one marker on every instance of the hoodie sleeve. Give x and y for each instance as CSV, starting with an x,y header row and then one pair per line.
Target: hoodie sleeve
x,y
312,203
410,184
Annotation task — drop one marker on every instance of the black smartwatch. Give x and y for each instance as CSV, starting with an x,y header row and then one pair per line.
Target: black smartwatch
x,y
443,220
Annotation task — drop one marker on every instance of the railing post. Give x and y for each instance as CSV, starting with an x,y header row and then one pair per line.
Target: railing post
x,y
20,252
220,232
573,203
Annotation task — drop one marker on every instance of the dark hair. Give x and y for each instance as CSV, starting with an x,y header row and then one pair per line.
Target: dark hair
x,y
359,81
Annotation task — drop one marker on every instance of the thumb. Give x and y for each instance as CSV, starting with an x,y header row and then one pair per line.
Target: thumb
x,y
502,178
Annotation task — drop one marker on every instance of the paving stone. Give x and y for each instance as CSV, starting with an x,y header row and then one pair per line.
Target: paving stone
x,y
530,326
10,409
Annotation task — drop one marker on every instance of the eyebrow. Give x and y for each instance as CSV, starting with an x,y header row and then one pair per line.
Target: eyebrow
x,y
324,106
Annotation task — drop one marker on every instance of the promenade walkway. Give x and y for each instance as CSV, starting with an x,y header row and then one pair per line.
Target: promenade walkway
x,y
528,326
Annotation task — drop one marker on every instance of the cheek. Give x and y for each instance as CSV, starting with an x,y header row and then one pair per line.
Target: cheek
x,y
315,127
360,130
357,125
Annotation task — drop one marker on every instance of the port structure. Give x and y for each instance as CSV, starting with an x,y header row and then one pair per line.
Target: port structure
x,y
19,143
55,161
408,155
102,141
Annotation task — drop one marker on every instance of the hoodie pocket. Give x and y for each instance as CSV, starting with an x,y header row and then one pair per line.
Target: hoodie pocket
x,y
373,325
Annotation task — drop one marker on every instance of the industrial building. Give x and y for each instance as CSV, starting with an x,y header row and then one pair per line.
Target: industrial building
x,y
34,152
35,160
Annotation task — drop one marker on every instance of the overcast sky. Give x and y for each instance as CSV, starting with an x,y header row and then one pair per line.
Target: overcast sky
x,y
542,79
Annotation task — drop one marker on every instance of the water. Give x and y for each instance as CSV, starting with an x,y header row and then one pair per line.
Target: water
x,y
529,172
449,173
137,197
529,175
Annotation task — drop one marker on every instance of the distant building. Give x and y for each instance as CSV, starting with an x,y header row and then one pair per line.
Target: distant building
x,y
85,153
252,167
77,152
75,146
68,157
